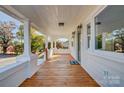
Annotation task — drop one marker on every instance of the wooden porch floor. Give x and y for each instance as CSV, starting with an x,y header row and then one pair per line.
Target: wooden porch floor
x,y
57,72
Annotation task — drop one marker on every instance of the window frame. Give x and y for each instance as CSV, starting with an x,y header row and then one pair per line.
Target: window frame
x,y
15,61
109,55
89,35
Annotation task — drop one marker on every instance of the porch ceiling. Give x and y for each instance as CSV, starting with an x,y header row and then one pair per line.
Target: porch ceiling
x,y
48,17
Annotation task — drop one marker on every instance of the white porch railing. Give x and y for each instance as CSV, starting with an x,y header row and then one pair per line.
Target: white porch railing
x,y
13,75
41,60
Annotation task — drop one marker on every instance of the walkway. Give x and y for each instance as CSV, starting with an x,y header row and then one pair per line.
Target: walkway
x,y
57,72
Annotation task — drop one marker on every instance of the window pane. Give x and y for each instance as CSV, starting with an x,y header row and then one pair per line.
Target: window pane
x,y
110,29
88,35
11,39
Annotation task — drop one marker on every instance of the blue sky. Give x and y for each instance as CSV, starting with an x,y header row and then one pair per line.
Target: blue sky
x,y
6,18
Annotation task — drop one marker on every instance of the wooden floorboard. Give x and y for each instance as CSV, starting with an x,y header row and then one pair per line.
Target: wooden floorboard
x,y
58,72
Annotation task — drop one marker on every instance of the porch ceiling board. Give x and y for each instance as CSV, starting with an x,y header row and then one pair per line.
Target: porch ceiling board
x,y
47,17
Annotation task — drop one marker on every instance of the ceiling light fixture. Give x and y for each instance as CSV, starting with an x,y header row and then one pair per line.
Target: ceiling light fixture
x,y
98,23
61,24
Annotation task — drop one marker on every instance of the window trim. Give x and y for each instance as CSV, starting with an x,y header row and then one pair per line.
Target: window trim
x,y
89,35
87,22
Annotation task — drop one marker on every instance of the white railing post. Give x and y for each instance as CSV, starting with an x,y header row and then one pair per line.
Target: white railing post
x,y
51,49
46,47
46,42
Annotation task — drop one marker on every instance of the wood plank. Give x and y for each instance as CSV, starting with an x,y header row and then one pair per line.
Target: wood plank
x,y
58,72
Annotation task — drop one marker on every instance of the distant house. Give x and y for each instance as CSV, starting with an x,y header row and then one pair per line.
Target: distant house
x,y
10,49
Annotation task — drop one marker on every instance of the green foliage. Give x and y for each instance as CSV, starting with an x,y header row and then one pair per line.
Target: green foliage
x,y
18,47
49,45
37,41
20,33
119,39
99,41
6,36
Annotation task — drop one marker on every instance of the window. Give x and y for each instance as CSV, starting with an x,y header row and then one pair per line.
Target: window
x,y
73,39
11,39
88,35
109,26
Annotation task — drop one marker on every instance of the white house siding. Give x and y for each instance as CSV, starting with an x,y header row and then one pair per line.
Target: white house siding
x,y
106,70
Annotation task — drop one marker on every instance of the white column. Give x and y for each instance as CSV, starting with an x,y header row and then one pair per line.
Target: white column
x,y
55,44
51,44
46,47
51,49
103,40
27,56
27,42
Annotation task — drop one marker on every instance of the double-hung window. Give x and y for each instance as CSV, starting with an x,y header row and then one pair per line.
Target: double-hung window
x,y
88,35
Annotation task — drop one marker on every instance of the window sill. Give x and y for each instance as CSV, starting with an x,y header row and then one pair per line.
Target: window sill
x,y
113,56
9,68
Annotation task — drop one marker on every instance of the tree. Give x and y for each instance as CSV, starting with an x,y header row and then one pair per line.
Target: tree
x,y
19,46
59,45
99,41
20,33
6,33
119,38
37,41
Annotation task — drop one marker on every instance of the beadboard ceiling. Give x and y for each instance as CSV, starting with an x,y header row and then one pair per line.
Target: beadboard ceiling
x,y
48,17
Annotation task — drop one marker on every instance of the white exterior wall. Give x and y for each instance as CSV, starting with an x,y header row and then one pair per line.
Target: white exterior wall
x,y
74,48
107,68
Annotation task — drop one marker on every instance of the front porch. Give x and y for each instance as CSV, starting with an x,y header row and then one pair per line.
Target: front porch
x,y
94,41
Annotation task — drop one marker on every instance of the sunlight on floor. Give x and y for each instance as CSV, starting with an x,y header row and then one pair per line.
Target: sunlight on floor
x,y
53,61
54,56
